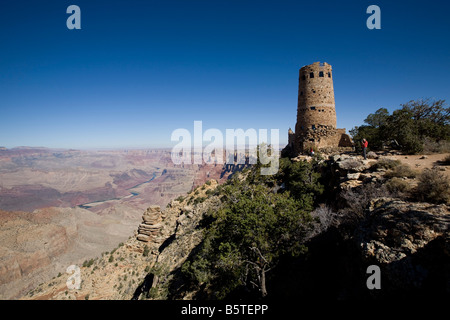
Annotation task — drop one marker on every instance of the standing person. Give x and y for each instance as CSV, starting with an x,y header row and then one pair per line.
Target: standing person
x,y
364,145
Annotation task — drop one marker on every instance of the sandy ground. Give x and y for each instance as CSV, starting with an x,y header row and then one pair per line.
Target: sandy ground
x,y
420,162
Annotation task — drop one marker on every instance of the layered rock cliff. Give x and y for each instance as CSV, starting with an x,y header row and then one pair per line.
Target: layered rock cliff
x,y
409,241
141,267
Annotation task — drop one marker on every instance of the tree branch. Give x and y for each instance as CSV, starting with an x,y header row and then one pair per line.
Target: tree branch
x,y
255,249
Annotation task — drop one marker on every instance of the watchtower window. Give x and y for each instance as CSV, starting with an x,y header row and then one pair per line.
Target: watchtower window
x,y
311,74
313,108
321,74
329,74
313,127
301,93
303,77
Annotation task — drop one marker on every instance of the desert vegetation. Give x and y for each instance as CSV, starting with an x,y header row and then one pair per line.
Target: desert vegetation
x,y
420,126
267,225
254,228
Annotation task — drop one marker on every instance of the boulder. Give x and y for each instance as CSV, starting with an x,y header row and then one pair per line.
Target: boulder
x,y
353,165
350,184
406,226
144,238
372,155
353,176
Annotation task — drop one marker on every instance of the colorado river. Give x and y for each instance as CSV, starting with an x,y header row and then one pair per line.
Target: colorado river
x,y
131,195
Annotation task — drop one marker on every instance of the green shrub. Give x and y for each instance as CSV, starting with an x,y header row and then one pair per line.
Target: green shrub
x,y
433,186
420,125
400,171
146,251
386,164
397,185
411,144
88,263
199,200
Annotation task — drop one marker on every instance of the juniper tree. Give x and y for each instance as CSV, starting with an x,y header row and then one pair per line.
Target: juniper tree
x,y
250,233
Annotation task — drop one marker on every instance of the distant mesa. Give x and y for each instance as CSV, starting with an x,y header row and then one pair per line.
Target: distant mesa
x,y
30,148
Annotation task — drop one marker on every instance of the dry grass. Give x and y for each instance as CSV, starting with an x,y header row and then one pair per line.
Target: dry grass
x,y
386,164
358,199
430,146
398,186
433,187
401,171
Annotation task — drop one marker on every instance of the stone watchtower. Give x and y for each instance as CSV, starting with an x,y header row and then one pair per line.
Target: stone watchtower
x,y
316,113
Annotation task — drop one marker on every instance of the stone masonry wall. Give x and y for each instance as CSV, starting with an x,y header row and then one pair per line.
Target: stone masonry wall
x,y
315,97
316,113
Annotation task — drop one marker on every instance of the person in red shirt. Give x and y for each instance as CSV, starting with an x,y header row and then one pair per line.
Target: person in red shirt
x,y
364,145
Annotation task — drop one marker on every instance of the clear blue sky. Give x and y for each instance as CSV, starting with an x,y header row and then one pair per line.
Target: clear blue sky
x,y
137,70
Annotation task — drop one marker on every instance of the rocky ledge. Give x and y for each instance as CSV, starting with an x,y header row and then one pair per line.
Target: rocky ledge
x,y
151,225
395,229
410,242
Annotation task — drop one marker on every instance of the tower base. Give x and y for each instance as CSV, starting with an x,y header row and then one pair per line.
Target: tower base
x,y
324,140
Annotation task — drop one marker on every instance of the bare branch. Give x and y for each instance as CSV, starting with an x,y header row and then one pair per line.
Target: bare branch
x,y
255,249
